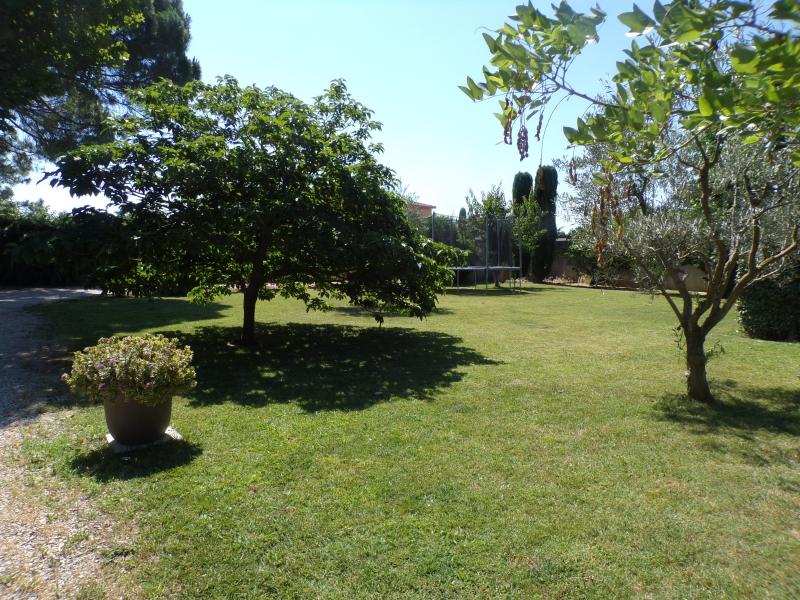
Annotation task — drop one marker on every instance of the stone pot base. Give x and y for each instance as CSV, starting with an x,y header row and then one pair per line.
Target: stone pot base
x,y
170,435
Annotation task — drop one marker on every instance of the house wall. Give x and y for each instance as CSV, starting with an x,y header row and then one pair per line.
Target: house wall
x,y
421,210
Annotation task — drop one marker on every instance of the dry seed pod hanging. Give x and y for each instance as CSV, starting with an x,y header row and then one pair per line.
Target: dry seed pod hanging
x,y
508,127
522,142
572,172
616,212
600,221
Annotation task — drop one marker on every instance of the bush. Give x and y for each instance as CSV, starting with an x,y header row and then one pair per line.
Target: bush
x,y
149,370
31,248
770,309
582,256
87,247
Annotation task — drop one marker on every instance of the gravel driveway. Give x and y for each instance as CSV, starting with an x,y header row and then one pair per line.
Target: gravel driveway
x,y
21,341
51,537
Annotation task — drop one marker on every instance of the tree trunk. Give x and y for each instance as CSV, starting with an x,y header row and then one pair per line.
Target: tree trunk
x,y
696,381
249,321
531,276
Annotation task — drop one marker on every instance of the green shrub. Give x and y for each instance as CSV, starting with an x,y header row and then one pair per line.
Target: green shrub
x,y
149,369
770,309
88,247
582,256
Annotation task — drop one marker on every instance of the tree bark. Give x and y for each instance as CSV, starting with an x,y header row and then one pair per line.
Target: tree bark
x,y
696,378
249,321
255,281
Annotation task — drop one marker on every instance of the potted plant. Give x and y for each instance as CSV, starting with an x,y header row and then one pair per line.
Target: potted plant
x,y
135,378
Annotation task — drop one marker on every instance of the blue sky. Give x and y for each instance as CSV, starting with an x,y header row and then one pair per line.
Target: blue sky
x,y
404,59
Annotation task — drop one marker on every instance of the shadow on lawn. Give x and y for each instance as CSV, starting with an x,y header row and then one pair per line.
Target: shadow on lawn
x,y
739,408
358,311
325,367
79,323
92,318
741,413
104,465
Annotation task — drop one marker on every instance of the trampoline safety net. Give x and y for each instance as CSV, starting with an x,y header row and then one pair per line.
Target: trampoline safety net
x,y
493,246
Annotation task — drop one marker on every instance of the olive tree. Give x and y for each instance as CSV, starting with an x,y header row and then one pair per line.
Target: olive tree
x,y
254,190
700,130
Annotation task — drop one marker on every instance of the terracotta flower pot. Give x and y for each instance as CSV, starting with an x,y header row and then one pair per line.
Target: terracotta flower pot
x,y
132,423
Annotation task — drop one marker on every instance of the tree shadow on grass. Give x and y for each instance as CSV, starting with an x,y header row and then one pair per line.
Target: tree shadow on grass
x,y
738,408
325,367
741,414
104,465
84,321
76,324
359,311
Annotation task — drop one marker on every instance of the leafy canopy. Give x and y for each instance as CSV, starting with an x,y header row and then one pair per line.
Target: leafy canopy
x,y
66,63
248,187
724,67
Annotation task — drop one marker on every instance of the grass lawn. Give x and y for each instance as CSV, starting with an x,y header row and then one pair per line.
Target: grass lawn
x,y
511,445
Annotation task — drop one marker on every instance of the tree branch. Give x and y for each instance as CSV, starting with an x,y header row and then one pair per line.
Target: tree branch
x,y
660,283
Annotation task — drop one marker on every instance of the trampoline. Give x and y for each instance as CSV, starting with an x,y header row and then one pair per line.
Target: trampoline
x,y
494,248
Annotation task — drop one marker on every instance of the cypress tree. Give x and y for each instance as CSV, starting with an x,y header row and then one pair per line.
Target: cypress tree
x,y
544,193
521,188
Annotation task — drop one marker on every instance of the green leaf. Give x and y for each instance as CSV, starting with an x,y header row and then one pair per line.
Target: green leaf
x,y
659,111
490,41
744,60
571,134
621,158
796,158
688,35
637,20
785,10
581,135
705,106
635,118
659,11
473,91
575,34
627,69
491,81
726,101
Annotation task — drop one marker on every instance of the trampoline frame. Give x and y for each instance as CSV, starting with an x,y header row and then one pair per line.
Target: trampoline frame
x,y
514,269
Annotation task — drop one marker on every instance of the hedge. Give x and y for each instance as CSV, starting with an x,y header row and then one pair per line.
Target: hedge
x,y
770,309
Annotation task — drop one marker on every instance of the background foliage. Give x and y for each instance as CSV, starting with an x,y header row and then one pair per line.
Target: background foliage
x,y
770,309
67,64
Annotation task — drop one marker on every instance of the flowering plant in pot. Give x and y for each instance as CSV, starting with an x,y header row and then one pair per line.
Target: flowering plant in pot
x,y
135,378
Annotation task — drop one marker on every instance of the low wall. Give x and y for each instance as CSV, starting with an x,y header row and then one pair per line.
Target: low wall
x,y
563,269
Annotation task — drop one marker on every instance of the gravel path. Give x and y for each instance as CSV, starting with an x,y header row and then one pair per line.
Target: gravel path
x,y
51,537
21,385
